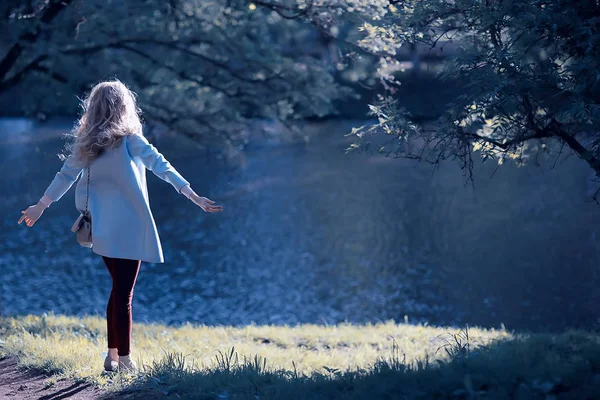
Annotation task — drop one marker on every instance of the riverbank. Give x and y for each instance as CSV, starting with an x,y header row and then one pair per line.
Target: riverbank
x,y
382,360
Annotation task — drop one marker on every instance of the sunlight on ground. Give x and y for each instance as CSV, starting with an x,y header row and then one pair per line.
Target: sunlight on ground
x,y
384,360
76,347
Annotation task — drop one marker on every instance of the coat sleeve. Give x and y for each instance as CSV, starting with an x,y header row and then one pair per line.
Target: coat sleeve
x,y
138,146
64,179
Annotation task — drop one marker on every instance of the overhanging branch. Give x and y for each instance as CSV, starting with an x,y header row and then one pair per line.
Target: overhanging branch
x,y
13,54
278,8
515,141
577,147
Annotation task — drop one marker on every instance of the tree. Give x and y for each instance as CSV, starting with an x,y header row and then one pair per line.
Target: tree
x,y
202,67
531,73
530,66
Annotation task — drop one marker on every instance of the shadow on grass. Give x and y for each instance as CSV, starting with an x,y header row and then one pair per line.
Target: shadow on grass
x,y
539,366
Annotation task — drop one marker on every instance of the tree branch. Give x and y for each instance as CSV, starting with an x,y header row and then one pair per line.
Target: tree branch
x,y
577,147
279,7
17,48
19,76
540,134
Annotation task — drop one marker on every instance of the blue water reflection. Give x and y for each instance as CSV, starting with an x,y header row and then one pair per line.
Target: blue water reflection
x,y
310,234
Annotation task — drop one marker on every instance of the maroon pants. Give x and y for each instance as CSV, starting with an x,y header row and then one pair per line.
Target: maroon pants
x,y
118,311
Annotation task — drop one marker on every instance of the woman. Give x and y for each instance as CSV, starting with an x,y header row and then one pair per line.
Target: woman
x,y
110,149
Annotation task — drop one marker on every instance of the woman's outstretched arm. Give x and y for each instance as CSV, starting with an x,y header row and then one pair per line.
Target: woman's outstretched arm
x,y
64,179
60,185
138,146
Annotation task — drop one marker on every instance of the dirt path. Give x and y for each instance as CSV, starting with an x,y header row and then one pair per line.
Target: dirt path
x,y
17,384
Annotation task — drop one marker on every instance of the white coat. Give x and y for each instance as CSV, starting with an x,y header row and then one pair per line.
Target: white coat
x,y
122,222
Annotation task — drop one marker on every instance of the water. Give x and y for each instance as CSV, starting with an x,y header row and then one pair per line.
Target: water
x,y
310,234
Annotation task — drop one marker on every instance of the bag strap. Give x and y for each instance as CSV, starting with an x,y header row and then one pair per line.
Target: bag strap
x,y
87,190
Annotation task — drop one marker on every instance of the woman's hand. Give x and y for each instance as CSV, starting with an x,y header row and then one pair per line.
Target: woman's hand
x,y
32,214
205,204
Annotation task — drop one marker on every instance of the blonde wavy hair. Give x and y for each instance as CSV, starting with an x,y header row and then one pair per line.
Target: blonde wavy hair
x,y
109,114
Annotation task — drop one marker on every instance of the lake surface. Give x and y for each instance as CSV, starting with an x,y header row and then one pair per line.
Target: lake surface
x,y
311,234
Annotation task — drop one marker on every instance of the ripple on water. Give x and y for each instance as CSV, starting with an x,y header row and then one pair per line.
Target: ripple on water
x,y
310,234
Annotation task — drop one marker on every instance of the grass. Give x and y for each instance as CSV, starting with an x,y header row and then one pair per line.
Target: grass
x,y
384,360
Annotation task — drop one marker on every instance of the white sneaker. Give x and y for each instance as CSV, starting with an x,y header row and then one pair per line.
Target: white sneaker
x,y
110,365
127,364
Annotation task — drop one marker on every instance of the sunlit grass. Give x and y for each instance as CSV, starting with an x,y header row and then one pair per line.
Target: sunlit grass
x,y
306,360
78,345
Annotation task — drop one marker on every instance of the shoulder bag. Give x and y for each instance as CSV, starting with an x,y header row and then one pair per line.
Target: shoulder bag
x,y
83,225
